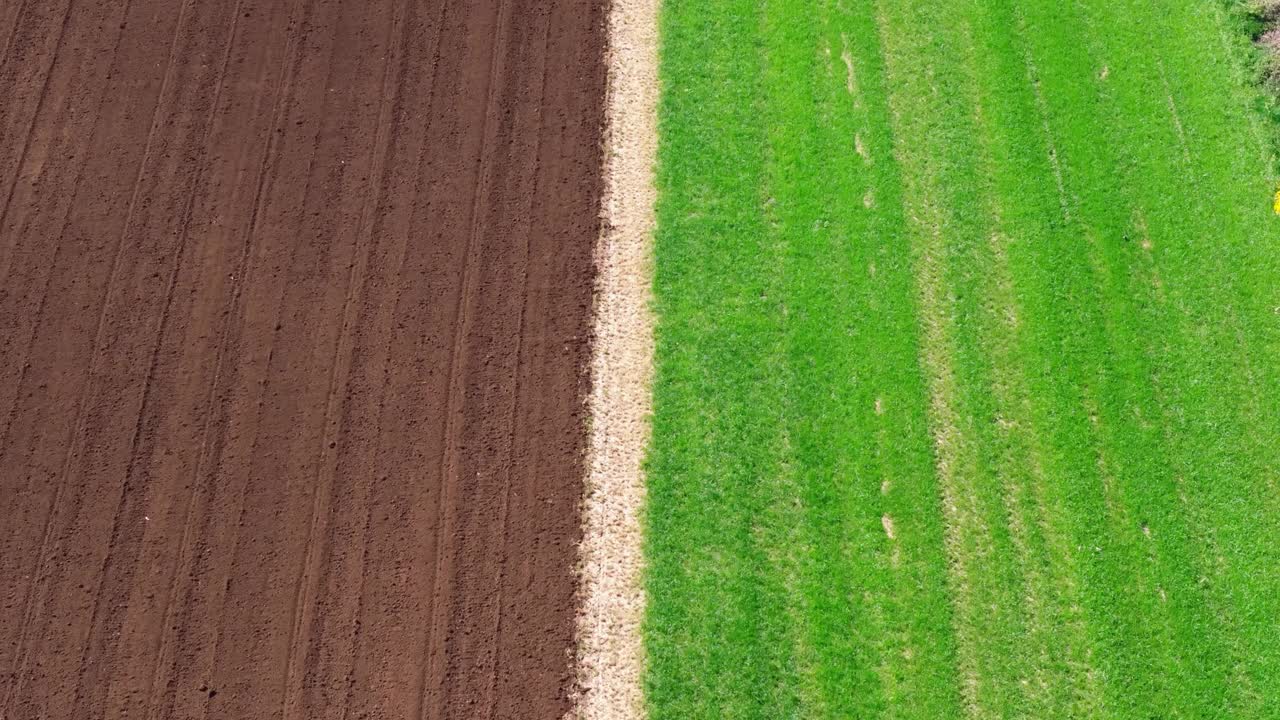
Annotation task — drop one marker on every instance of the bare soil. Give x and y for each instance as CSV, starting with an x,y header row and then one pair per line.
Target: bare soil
x,y
294,315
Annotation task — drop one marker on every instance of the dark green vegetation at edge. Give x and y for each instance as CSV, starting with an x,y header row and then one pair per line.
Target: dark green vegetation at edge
x,y
1249,21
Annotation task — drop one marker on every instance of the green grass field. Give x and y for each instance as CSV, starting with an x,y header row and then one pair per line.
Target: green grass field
x,y
968,390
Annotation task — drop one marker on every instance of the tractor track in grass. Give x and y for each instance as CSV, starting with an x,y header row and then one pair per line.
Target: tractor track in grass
x,y
294,316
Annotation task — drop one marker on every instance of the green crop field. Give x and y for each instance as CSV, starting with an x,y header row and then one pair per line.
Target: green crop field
x,y
968,389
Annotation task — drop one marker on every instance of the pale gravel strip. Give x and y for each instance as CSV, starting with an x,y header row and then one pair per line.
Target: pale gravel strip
x,y
610,660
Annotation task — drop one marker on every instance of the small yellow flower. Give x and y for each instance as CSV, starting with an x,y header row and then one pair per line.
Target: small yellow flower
x,y
1276,205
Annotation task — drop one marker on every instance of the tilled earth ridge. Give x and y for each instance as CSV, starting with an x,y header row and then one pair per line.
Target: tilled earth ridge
x,y
294,306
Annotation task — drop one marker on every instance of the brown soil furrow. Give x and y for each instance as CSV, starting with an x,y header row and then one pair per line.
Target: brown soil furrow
x,y
268,568
293,327
54,159
19,76
164,647
378,426
134,318
31,588
436,676
546,517
317,545
69,348
25,493
536,58
451,559
498,372
117,578
531,50
10,17
323,686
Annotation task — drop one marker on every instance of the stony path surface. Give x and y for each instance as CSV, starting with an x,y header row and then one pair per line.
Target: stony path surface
x,y
611,600
294,308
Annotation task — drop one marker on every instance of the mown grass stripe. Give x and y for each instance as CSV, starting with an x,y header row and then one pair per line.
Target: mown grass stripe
x,y
962,404
1060,650
887,386
717,436
1188,360
792,66
1132,457
854,571
1041,140
1231,472
932,117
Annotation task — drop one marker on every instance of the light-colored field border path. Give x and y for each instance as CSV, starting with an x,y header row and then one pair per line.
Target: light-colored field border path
x,y
610,651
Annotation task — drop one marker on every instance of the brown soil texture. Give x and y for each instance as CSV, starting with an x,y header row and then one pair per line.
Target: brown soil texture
x,y
294,312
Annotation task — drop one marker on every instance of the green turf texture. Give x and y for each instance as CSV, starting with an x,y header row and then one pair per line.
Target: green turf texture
x,y
1002,279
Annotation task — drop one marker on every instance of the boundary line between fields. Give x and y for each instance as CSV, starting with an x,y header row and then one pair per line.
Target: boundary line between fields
x,y
610,651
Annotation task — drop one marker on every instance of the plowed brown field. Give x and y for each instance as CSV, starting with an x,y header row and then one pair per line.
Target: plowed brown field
x,y
294,305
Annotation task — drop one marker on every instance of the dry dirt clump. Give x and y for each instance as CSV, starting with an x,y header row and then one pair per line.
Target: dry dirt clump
x,y
1267,37
1268,10
1270,39
1257,24
610,652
